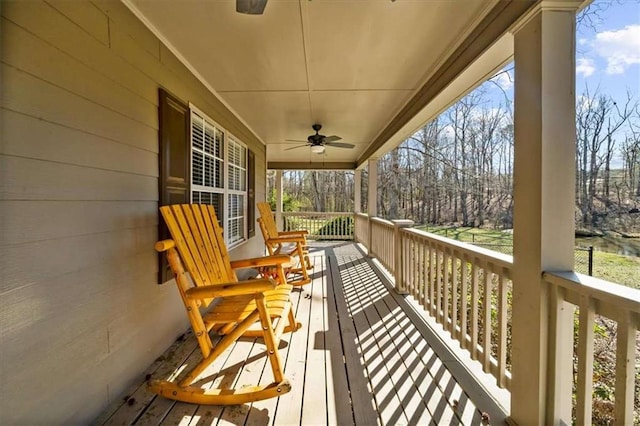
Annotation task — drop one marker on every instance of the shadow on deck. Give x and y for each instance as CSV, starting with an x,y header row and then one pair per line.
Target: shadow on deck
x,y
364,356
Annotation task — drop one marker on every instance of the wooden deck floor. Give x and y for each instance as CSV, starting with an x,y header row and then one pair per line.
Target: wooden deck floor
x,y
362,357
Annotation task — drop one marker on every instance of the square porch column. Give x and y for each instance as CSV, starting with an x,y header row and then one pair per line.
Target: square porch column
x,y
357,191
279,222
372,196
544,188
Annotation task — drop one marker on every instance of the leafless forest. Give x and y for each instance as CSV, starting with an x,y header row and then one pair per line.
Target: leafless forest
x,y
458,169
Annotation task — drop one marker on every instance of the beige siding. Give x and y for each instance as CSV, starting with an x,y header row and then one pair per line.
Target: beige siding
x,y
81,314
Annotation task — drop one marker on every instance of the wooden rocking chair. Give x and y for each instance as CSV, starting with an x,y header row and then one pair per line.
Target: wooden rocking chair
x,y
292,243
198,248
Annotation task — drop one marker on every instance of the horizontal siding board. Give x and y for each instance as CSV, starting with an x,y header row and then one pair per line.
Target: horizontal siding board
x,y
48,367
56,143
87,16
28,179
147,313
32,96
166,327
135,30
42,261
55,29
52,65
80,313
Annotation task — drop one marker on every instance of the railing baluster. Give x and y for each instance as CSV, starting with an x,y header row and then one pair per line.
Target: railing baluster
x,y
417,272
585,361
454,295
486,338
408,258
432,279
502,331
445,288
438,285
425,273
474,310
464,290
625,369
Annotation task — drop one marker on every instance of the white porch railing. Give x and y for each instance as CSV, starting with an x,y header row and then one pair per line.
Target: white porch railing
x,y
621,304
321,225
362,228
467,290
382,242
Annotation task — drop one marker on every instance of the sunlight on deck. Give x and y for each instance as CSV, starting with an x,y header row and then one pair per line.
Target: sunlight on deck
x,y
360,358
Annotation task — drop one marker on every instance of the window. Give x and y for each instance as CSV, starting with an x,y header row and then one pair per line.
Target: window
x,y
237,191
207,171
193,167
219,175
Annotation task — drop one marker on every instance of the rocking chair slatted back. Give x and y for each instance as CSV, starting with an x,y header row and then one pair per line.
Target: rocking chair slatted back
x,y
267,219
206,259
292,243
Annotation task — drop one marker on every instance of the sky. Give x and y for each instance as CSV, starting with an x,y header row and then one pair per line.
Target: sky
x,y
608,52
607,58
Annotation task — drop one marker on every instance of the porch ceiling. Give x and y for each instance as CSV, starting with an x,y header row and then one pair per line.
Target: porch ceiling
x,y
352,65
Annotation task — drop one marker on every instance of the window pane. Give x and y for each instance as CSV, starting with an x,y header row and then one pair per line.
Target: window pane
x,y
197,168
197,137
206,159
211,198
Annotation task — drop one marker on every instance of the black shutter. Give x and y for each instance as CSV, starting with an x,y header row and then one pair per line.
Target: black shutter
x,y
174,179
251,193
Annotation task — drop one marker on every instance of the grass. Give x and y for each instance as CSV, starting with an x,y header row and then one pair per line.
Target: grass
x,y
616,268
612,267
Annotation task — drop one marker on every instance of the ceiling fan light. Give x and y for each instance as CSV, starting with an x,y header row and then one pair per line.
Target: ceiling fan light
x,y
251,7
317,149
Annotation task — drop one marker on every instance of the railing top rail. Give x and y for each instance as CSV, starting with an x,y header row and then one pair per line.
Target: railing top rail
x,y
363,215
381,221
613,294
317,213
499,259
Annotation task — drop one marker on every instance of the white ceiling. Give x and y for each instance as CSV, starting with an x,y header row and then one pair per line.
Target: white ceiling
x,y
350,65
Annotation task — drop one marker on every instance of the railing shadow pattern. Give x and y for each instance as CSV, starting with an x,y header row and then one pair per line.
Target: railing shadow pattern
x,y
410,382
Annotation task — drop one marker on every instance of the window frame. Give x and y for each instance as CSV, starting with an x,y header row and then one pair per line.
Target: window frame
x,y
225,191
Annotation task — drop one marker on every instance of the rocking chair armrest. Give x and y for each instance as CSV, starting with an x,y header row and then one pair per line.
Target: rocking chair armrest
x,y
231,289
287,239
255,262
301,232
164,245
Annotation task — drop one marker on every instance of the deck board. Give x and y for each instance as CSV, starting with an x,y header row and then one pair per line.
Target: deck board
x,y
361,358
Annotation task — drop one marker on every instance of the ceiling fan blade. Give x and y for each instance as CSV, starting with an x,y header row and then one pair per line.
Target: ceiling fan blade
x,y
331,138
251,7
340,145
295,147
295,140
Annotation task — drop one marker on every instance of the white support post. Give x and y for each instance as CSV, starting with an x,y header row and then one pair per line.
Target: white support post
x,y
372,196
279,222
398,260
544,188
357,191
372,187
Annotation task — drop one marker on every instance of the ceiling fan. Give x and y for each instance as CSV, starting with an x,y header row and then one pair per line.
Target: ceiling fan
x,y
251,7
318,142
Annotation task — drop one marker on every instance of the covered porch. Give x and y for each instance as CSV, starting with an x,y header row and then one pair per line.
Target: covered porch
x,y
365,355
86,161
